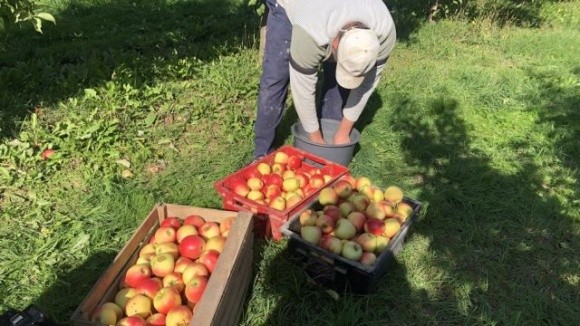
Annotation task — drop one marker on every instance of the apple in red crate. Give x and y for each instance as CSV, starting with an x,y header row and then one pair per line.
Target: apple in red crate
x,y
290,184
255,195
294,162
162,264
288,174
171,221
136,274
293,199
194,219
140,305
275,179
180,315
241,189
255,183
132,321
281,157
197,269
209,258
166,299
278,168
191,246
264,168
302,178
195,288
351,250
209,229
149,287
317,181
252,173
272,191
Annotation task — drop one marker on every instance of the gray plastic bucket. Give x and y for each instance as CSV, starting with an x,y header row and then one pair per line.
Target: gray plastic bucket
x,y
341,154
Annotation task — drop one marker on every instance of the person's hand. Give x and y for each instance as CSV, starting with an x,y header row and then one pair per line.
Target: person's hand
x,y
316,137
342,135
340,139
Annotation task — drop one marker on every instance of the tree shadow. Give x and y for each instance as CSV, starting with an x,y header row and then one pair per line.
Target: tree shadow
x,y
133,42
62,299
503,242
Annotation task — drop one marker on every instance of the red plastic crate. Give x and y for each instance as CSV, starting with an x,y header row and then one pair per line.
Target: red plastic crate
x,y
269,220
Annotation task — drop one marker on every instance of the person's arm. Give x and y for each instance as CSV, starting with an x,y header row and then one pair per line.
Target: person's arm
x,y
355,104
305,56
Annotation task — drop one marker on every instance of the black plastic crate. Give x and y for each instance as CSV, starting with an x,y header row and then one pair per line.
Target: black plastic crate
x,y
338,273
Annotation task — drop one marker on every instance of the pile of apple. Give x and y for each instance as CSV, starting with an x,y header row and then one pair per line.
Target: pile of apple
x,y
279,184
170,275
355,219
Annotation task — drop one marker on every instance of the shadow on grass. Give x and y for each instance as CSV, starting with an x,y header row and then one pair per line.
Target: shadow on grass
x,y
133,42
507,247
62,299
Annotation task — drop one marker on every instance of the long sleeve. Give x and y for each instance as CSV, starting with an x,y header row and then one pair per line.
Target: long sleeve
x,y
303,87
359,97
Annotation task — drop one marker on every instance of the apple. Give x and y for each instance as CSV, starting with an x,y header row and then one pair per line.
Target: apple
x,y
293,199
326,223
255,195
278,168
157,319
358,219
181,264
132,321
148,249
271,191
136,274
149,287
166,299
332,211
361,182
392,226
226,225
317,181
165,234
393,194
290,184
179,316
184,231
123,296
346,208
194,219
195,288
264,168
331,243
307,217
241,189
343,188
311,234
168,247
107,314
359,201
288,174
368,258
191,246
302,178
375,210
404,210
209,258
382,243
344,229
197,269
173,280
351,179
374,226
171,221
351,250
281,157
216,243
252,173
294,162
328,196
255,183
275,179
388,208
139,305
278,203
209,230
162,264
47,153
367,241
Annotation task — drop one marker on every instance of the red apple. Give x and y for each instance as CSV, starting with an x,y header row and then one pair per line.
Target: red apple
x,y
226,225
191,246
194,220
343,188
197,269
294,162
166,299
173,280
302,178
326,223
184,231
171,221
195,288
374,226
209,258
368,258
47,153
137,273
149,287
317,181
272,191
278,168
358,219
332,211
157,319
181,264
241,189
331,243
132,321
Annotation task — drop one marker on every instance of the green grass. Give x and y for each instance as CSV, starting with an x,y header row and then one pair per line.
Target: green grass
x,y
153,101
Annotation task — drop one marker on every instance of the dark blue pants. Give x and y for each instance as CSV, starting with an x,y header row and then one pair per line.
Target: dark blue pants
x,y
276,78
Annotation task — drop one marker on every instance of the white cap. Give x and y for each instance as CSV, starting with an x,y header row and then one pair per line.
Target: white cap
x,y
357,54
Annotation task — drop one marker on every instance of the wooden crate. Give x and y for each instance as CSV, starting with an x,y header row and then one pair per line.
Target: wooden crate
x,y
223,300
